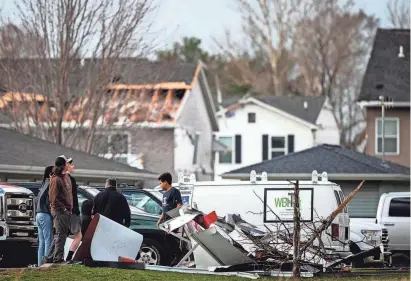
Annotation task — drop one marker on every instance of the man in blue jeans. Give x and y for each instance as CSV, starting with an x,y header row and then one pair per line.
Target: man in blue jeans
x,y
43,217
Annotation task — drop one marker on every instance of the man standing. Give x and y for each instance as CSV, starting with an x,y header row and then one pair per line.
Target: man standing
x,y
171,196
61,203
75,221
112,204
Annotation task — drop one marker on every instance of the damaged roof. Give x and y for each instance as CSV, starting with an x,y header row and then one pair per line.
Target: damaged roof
x,y
388,74
332,159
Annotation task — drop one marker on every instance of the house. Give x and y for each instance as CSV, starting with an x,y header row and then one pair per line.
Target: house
x,y
388,76
259,128
343,166
159,116
24,157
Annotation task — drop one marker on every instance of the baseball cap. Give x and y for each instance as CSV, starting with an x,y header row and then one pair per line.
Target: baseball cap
x,y
69,160
61,160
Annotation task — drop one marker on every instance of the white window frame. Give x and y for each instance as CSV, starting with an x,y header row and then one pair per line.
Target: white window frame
x,y
271,149
232,149
378,119
111,155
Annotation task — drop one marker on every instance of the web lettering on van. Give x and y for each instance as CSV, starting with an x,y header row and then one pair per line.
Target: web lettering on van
x,y
284,202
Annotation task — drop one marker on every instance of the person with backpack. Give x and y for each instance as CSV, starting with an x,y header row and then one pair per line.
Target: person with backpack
x,y
43,217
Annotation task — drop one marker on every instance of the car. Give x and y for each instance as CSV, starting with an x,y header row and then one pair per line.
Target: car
x,y
158,248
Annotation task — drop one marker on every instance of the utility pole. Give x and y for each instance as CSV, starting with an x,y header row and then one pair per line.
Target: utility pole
x,y
382,128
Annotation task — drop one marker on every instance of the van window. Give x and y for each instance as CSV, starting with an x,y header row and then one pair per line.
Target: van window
x,y
337,196
399,207
342,200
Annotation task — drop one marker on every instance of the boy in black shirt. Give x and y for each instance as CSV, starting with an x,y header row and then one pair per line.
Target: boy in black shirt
x,y
171,196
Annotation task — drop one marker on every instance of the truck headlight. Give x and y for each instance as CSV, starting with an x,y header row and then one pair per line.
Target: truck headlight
x,y
372,236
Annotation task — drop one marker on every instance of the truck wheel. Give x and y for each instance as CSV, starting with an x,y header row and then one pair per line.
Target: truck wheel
x,y
400,260
151,252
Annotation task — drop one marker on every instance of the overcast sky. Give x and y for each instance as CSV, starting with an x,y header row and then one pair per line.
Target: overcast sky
x,y
206,19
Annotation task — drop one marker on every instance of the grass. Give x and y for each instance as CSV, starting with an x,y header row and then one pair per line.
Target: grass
x,y
82,273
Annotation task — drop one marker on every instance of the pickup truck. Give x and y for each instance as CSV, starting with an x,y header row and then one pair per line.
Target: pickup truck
x,y
394,214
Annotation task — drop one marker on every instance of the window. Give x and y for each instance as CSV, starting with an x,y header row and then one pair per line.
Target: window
x,y
226,157
391,135
81,198
143,202
400,207
251,117
278,147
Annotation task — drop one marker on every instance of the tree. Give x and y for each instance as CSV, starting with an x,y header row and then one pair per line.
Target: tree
x,y
399,13
268,27
189,50
83,42
331,48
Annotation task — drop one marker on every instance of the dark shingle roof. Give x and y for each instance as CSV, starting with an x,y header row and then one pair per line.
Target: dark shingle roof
x,y
294,105
20,149
26,75
330,158
386,68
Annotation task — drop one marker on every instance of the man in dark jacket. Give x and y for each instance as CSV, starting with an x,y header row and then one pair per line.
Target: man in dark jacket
x,y
112,204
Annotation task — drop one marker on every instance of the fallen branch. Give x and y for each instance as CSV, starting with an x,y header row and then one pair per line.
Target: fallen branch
x,y
331,217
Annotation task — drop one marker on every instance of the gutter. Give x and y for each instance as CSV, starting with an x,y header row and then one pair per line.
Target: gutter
x,y
331,177
83,173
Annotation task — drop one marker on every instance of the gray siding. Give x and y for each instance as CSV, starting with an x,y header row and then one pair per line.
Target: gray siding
x,y
365,202
195,118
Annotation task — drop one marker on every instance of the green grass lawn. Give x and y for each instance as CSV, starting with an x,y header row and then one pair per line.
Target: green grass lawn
x,y
82,273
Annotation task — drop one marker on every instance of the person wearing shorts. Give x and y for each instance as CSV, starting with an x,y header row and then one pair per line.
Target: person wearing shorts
x,y
75,220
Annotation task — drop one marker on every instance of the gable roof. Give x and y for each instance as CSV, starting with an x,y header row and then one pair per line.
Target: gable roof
x,y
290,105
338,162
143,91
294,105
17,149
387,69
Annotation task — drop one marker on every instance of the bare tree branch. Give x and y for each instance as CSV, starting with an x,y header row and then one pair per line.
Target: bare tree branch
x,y
399,13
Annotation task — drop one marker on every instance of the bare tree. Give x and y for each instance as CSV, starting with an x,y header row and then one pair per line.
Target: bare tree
x,y
83,43
399,13
268,30
331,48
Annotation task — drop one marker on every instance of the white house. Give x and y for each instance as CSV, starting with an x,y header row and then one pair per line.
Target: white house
x,y
256,129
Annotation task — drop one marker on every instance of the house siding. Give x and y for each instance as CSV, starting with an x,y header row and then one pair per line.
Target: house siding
x,y
267,123
365,203
404,115
194,117
157,146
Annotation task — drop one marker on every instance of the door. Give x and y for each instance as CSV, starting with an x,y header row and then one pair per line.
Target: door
x,y
396,219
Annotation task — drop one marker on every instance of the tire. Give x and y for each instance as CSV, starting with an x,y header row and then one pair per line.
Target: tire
x,y
400,260
152,253
357,262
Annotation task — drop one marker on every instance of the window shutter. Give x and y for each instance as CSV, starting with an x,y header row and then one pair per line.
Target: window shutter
x,y
290,143
238,149
265,147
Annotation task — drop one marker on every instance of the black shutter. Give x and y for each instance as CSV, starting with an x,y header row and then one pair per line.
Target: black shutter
x,y
238,149
290,143
265,147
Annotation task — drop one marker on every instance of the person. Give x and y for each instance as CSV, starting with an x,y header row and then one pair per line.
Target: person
x,y
75,221
43,217
112,204
171,196
86,209
61,204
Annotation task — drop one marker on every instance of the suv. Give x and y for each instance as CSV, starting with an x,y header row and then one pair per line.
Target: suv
x,y
157,248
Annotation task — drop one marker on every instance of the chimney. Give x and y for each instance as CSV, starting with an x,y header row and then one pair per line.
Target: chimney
x,y
305,105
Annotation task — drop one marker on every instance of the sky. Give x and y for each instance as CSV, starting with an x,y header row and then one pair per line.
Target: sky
x,y
207,19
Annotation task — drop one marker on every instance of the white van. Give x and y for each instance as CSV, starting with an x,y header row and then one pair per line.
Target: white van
x,y
265,203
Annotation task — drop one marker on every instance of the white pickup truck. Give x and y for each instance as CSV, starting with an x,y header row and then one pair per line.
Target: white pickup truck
x,y
393,213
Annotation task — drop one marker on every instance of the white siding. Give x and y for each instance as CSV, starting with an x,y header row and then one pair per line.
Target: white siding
x,y
328,130
183,151
267,123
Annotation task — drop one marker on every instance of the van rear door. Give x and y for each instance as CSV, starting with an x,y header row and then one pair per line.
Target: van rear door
x,y
342,219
